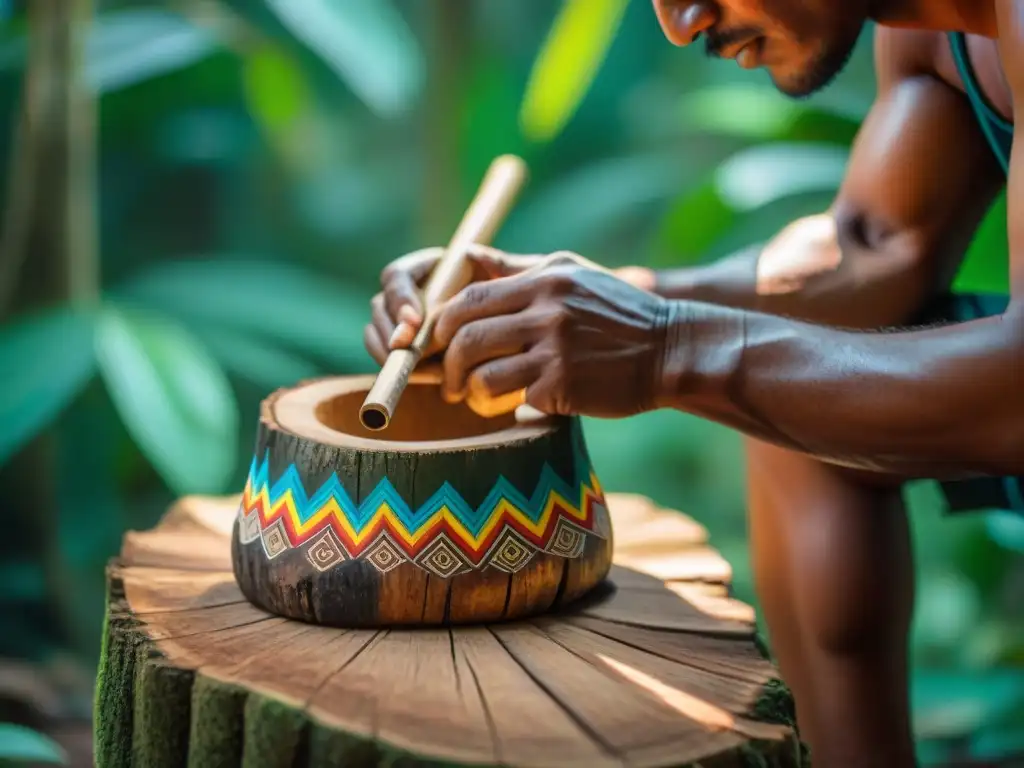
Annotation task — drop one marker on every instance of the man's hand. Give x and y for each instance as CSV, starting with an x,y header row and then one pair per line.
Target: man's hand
x,y
577,338
397,311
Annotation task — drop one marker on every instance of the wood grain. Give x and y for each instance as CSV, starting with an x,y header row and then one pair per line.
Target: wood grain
x,y
645,671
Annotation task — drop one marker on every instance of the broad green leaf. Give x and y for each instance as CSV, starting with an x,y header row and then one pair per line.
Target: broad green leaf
x,y
738,109
46,359
951,704
131,45
691,226
281,303
1001,738
761,113
174,399
19,744
257,361
365,42
275,89
763,174
584,206
487,127
1006,529
568,62
986,266
946,608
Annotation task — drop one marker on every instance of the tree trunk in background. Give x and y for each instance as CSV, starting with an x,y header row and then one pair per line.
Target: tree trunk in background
x,y
48,257
447,24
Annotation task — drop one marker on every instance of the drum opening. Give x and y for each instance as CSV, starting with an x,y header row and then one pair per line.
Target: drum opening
x,y
422,415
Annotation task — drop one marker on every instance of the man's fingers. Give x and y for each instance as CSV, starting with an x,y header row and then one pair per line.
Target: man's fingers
x,y
375,344
401,299
502,296
379,317
480,341
400,281
497,378
492,263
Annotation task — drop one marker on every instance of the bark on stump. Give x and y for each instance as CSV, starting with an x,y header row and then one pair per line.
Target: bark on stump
x,y
657,666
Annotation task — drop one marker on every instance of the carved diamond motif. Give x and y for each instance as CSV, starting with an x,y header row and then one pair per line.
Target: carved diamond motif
x,y
275,539
442,558
248,527
325,551
383,555
568,540
510,552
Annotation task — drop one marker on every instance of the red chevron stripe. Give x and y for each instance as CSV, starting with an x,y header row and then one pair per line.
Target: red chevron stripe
x,y
475,555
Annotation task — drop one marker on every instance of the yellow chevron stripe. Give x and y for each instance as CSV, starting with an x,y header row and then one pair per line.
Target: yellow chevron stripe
x,y
285,506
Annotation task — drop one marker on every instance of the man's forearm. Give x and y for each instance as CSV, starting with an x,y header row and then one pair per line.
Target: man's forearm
x,y
731,281
816,271
941,403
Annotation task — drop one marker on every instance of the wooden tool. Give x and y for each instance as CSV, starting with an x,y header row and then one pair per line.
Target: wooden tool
x,y
453,272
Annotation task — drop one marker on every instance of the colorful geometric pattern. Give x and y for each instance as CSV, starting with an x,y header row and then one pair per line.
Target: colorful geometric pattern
x,y
445,536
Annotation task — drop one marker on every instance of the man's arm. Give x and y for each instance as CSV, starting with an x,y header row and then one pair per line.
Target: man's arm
x,y
943,402
920,179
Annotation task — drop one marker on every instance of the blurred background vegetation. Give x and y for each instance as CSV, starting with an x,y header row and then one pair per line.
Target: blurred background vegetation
x,y
198,210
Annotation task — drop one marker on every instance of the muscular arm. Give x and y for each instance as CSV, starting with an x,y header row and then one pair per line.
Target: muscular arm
x,y
942,402
919,181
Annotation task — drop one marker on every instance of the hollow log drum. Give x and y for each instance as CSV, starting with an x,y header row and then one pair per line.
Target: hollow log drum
x,y
444,518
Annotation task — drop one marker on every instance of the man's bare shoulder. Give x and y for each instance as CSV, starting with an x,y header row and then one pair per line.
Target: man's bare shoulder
x,y
906,53
1010,22
901,52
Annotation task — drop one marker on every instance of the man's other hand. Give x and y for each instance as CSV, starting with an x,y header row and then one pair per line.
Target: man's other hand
x,y
576,337
397,311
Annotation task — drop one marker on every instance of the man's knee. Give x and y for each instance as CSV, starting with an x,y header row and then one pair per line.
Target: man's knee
x,y
840,545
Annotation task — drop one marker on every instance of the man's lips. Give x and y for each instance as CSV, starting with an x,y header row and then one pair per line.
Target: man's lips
x,y
747,54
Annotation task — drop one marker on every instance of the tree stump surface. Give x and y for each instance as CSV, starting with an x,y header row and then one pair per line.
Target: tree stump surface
x,y
657,667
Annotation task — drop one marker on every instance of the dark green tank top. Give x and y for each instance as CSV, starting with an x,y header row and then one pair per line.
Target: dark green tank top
x,y
983,493
996,128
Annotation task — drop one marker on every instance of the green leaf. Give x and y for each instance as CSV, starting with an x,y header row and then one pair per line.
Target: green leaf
x,y
275,89
366,42
23,745
738,109
568,62
1006,529
986,266
763,174
131,46
174,399
278,302
253,359
582,207
47,359
760,113
692,225
957,704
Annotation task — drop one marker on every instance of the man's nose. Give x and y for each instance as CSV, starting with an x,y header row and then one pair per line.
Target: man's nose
x,y
683,20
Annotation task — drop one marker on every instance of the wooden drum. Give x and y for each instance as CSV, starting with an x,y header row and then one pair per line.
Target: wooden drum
x,y
444,518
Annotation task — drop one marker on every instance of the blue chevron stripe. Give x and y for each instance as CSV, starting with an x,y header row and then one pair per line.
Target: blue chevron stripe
x,y
360,515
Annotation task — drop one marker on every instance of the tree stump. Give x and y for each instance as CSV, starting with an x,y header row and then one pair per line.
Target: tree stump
x,y
656,666
445,518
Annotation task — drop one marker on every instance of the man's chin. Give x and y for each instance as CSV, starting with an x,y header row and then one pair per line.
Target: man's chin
x,y
802,85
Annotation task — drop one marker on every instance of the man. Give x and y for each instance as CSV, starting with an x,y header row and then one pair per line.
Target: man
x,y
835,348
